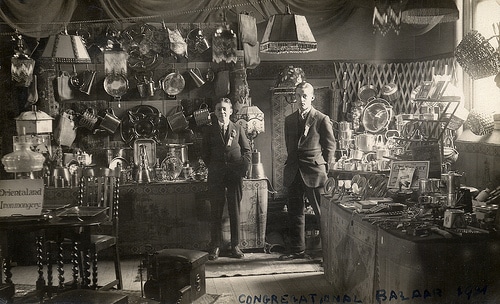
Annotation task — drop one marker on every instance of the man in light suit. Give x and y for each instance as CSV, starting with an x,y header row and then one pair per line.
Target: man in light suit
x,y
310,145
227,153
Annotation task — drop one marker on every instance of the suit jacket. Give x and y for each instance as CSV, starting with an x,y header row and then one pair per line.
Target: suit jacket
x,y
225,152
311,151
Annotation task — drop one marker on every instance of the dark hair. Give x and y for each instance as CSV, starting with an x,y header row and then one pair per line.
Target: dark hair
x,y
225,100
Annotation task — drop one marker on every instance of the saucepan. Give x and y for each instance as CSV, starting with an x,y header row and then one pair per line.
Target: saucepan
x,y
368,91
365,142
390,91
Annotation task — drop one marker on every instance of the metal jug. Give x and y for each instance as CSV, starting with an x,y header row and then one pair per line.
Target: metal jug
x,y
110,122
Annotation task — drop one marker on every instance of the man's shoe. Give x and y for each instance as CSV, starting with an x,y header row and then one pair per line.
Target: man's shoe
x,y
214,254
237,253
293,256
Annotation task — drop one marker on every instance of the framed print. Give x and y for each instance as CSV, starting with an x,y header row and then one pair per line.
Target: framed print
x,y
407,173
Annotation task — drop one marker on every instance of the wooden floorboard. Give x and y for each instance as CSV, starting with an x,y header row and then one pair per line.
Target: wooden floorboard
x,y
234,288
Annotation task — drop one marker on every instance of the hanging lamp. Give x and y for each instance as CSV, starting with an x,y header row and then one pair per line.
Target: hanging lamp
x,y
288,33
65,48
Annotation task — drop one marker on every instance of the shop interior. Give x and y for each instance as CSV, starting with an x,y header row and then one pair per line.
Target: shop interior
x,y
101,176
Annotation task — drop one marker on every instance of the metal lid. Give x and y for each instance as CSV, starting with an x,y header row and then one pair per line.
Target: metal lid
x,y
34,115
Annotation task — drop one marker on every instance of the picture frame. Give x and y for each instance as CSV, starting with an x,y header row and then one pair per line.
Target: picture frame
x,y
421,170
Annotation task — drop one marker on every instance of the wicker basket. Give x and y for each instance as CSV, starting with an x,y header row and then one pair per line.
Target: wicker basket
x,y
480,123
477,56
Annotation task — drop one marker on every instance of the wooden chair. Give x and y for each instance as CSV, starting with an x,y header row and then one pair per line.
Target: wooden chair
x,y
102,191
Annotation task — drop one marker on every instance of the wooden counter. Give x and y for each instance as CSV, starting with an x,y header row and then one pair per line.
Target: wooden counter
x,y
176,215
375,265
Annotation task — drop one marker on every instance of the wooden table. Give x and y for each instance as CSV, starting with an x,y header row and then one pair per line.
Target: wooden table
x,y
155,216
50,232
369,263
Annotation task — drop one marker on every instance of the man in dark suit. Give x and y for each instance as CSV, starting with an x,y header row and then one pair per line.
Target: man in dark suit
x,y
310,145
227,153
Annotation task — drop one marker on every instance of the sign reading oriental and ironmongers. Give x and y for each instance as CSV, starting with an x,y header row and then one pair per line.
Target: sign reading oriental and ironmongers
x,y
21,197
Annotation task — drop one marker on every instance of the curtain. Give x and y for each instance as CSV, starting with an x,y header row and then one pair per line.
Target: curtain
x,y
321,14
173,11
37,18
26,16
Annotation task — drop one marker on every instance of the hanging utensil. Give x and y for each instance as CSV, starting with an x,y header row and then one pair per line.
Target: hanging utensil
x,y
74,80
33,91
390,91
210,74
173,83
116,85
368,91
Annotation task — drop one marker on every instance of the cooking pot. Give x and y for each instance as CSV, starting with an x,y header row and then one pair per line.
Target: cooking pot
x,y
390,91
365,142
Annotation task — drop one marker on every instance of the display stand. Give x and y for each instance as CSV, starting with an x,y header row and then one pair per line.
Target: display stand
x,y
427,128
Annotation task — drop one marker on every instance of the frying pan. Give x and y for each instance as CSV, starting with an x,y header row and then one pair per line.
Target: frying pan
x,y
173,83
368,91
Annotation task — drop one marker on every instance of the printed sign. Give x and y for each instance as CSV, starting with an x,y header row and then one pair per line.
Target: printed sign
x,y
21,197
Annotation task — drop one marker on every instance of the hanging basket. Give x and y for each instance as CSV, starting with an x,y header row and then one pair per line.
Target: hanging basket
x,y
477,56
480,123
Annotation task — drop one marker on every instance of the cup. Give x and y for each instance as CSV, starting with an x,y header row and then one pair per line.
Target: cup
x,y
347,134
150,88
344,126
